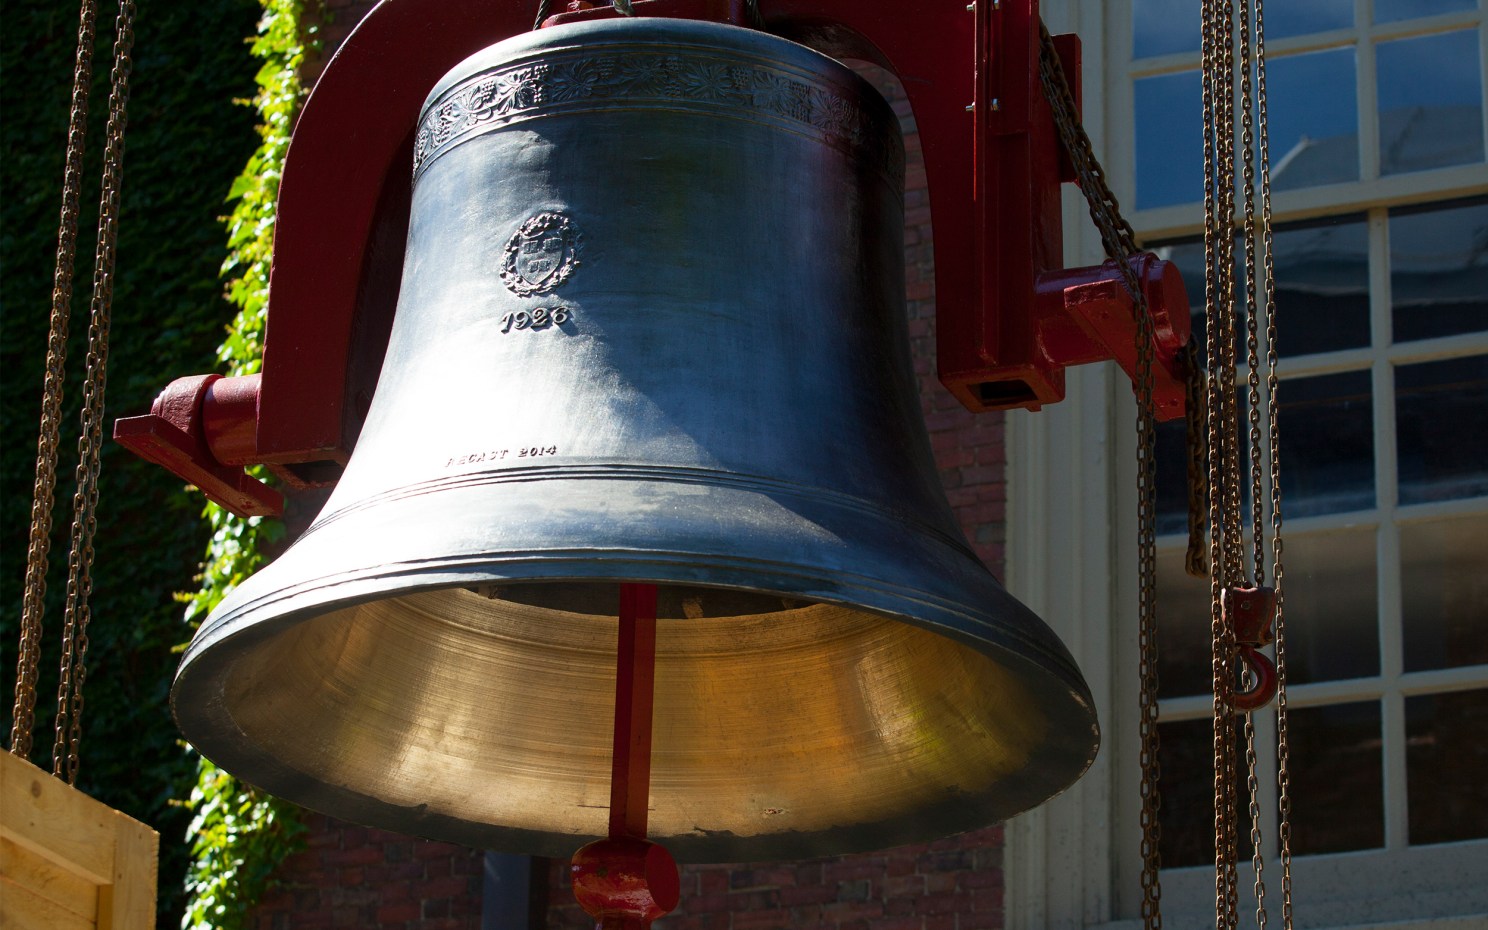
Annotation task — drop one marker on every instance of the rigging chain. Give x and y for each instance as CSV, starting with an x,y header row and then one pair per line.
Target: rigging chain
x,y
1228,561
1120,243
33,606
1273,464
85,499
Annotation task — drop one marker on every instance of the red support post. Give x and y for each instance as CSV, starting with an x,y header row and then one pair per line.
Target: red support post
x,y
625,882
635,675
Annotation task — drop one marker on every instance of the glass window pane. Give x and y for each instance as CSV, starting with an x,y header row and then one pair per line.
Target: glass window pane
x,y
1165,27
1162,27
1322,286
1314,121
1327,445
1331,613
1296,19
1430,102
1184,663
1172,477
1391,11
1446,766
1439,271
1444,592
1186,754
1170,140
1441,425
1337,784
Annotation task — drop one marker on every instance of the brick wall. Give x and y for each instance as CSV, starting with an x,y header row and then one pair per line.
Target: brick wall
x,y
951,884
354,876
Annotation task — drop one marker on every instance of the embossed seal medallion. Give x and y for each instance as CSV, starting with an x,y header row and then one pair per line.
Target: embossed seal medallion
x,y
541,255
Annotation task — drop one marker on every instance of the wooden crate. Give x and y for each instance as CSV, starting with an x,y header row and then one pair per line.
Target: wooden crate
x,y
68,861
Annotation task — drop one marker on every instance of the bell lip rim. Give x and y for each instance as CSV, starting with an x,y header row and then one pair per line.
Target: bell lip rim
x,y
462,571
1065,750
535,42
922,825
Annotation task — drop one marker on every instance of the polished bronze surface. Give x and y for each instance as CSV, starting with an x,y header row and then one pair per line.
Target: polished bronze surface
x,y
651,329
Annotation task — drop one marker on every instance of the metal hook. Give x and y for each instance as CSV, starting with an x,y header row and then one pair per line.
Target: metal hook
x,y
1262,689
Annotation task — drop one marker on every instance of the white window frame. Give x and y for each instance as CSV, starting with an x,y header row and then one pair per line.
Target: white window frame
x,y
1072,554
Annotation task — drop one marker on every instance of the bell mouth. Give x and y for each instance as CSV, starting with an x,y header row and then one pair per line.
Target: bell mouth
x,y
802,729
673,602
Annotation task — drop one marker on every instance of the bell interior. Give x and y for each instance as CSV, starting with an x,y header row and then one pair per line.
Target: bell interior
x,y
777,721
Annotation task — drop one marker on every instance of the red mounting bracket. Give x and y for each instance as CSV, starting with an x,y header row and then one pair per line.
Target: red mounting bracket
x,y
1010,317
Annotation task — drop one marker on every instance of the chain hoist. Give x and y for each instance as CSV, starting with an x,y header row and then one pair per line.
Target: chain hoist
x,y
1245,615
1245,612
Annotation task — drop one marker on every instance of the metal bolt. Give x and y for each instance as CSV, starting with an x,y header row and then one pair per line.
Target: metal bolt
x,y
996,105
970,107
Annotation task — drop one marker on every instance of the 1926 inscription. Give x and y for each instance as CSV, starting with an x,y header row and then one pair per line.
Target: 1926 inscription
x,y
539,318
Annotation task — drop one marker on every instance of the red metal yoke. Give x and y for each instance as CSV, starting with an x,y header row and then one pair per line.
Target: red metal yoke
x,y
1010,317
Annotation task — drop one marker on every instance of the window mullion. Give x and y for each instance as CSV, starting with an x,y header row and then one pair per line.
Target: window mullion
x,y
1367,93
1392,711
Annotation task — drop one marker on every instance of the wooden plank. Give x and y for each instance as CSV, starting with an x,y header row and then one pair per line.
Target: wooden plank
x,y
54,819
129,902
46,878
59,848
23,909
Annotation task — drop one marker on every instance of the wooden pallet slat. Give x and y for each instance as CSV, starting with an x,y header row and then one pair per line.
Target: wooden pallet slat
x,y
68,861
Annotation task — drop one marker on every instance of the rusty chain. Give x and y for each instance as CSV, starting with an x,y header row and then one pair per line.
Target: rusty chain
x,y
38,550
1217,91
85,499
1120,243
1253,421
1283,744
1229,566
1196,442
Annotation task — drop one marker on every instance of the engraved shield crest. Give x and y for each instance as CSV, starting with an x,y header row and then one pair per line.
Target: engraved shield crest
x,y
541,255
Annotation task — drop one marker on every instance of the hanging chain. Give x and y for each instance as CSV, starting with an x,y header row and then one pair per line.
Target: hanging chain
x,y
1196,405
1253,421
1120,243
85,499
1253,299
33,606
1230,566
1218,89
1283,745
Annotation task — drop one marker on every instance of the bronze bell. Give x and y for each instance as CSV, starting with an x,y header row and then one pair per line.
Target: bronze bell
x,y
651,328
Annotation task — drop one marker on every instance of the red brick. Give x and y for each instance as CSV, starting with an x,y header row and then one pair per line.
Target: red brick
x,y
360,855
807,894
401,911
762,920
904,885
